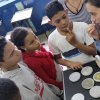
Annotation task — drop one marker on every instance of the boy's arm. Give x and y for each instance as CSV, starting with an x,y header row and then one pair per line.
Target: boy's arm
x,y
70,64
57,55
87,49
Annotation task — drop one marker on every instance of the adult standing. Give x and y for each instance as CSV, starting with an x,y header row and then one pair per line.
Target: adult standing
x,y
77,11
93,7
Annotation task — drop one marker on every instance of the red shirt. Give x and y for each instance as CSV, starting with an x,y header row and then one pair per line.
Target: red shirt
x,y
42,63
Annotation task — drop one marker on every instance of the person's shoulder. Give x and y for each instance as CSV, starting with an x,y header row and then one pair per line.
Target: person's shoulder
x,y
80,24
80,27
53,34
25,68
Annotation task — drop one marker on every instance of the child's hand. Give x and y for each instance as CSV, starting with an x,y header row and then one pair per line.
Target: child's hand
x,y
92,31
75,65
70,37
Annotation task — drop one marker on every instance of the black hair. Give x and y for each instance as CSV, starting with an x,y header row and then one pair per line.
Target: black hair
x,y
8,89
18,36
94,2
3,42
53,8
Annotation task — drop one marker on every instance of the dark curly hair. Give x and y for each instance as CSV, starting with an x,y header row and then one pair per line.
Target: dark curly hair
x,y
8,89
53,8
18,36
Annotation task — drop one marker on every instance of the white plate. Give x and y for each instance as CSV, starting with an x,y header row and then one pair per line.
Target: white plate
x,y
95,92
87,83
96,76
75,76
78,96
86,71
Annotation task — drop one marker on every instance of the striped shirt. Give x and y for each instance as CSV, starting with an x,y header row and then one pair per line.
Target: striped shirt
x,y
82,16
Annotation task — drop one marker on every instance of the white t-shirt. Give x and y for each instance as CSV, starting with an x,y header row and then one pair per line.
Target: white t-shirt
x,y
58,43
31,87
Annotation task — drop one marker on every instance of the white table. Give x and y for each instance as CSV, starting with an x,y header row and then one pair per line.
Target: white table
x,y
23,15
45,20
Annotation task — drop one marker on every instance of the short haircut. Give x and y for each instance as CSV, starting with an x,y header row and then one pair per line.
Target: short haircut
x,y
53,8
18,36
3,42
94,2
8,89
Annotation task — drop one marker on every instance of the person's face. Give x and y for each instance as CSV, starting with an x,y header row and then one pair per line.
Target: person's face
x,y
61,21
31,42
11,55
95,13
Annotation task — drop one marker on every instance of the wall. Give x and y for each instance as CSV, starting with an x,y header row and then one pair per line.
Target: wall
x,y
37,14
6,13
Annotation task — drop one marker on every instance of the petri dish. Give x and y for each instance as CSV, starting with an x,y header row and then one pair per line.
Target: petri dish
x,y
78,96
96,76
86,71
88,83
74,77
95,92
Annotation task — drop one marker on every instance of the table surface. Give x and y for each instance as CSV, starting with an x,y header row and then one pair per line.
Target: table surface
x,y
45,20
71,88
21,15
5,2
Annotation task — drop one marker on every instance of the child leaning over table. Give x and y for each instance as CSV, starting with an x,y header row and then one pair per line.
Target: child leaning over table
x,y
69,39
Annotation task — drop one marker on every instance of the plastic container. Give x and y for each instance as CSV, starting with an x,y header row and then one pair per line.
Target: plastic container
x,y
97,59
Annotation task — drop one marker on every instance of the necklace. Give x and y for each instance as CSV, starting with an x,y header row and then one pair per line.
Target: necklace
x,y
76,8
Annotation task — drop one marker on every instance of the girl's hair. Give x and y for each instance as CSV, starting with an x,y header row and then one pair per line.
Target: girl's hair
x,y
94,2
18,36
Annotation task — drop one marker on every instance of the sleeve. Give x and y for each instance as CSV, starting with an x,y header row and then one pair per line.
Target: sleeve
x,y
52,46
87,39
37,68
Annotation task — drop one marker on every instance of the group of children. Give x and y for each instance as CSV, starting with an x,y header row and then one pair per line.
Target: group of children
x,y
40,76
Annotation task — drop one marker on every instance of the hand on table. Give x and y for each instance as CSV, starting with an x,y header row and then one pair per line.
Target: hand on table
x,y
75,65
